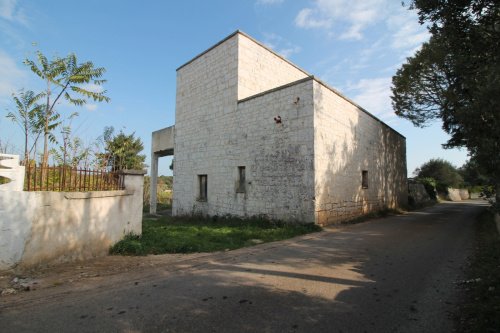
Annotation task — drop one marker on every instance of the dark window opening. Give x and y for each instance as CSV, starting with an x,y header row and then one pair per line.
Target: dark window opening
x,y
241,180
202,182
364,179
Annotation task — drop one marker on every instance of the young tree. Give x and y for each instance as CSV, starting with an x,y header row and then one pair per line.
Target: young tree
x,y
65,78
455,77
28,116
72,152
122,151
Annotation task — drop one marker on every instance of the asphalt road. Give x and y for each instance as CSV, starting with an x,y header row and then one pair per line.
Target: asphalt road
x,y
396,274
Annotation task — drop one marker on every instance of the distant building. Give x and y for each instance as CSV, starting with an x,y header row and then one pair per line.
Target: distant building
x,y
257,135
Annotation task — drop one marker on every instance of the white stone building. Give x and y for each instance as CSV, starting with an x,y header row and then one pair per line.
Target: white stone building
x,y
257,135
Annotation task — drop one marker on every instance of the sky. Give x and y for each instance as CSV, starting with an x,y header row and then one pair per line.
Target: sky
x,y
355,46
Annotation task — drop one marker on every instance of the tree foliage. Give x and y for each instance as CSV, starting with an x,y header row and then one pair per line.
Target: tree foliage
x,y
443,172
122,151
167,181
455,77
28,116
472,174
69,80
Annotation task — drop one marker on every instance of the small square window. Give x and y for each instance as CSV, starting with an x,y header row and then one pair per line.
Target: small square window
x,y
202,185
241,188
364,179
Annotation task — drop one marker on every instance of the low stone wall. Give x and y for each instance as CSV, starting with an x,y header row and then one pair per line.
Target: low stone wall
x,y
455,194
464,194
417,194
38,228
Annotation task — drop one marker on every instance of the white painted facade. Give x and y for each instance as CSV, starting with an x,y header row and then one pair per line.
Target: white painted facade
x,y
303,146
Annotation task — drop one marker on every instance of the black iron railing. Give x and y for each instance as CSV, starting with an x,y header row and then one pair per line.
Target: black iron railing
x,y
67,179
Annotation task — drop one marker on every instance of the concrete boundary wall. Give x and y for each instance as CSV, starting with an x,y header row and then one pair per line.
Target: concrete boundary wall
x,y
10,169
418,193
38,228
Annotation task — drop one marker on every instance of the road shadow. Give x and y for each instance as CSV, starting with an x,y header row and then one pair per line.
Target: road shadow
x,y
387,275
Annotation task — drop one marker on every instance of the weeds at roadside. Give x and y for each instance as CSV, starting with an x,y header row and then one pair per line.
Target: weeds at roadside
x,y
195,234
480,311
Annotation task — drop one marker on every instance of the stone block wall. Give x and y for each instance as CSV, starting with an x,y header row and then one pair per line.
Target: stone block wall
x,y
455,194
307,166
464,194
215,134
206,98
261,70
279,155
349,141
418,193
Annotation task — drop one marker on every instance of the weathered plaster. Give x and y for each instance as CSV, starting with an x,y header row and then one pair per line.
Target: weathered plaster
x,y
10,169
42,227
348,141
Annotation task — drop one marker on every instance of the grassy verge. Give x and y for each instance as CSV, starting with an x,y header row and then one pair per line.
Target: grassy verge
x,y
159,207
480,311
181,235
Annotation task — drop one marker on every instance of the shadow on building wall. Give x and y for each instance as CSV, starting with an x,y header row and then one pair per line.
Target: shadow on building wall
x,y
365,168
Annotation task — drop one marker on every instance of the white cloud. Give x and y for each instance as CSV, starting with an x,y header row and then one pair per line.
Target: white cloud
x,y
407,33
354,33
91,107
374,96
306,20
7,8
92,87
11,76
280,45
10,11
287,52
269,2
351,17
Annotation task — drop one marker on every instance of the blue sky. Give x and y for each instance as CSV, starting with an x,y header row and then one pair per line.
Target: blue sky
x,y
355,46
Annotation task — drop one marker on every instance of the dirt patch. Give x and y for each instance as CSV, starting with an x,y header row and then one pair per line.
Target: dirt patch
x,y
27,280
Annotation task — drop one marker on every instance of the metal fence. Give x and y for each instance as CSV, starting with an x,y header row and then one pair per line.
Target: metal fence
x,y
67,179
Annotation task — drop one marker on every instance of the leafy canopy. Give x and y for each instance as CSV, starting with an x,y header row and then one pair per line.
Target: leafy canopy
x,y
67,79
28,116
455,77
443,172
66,73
